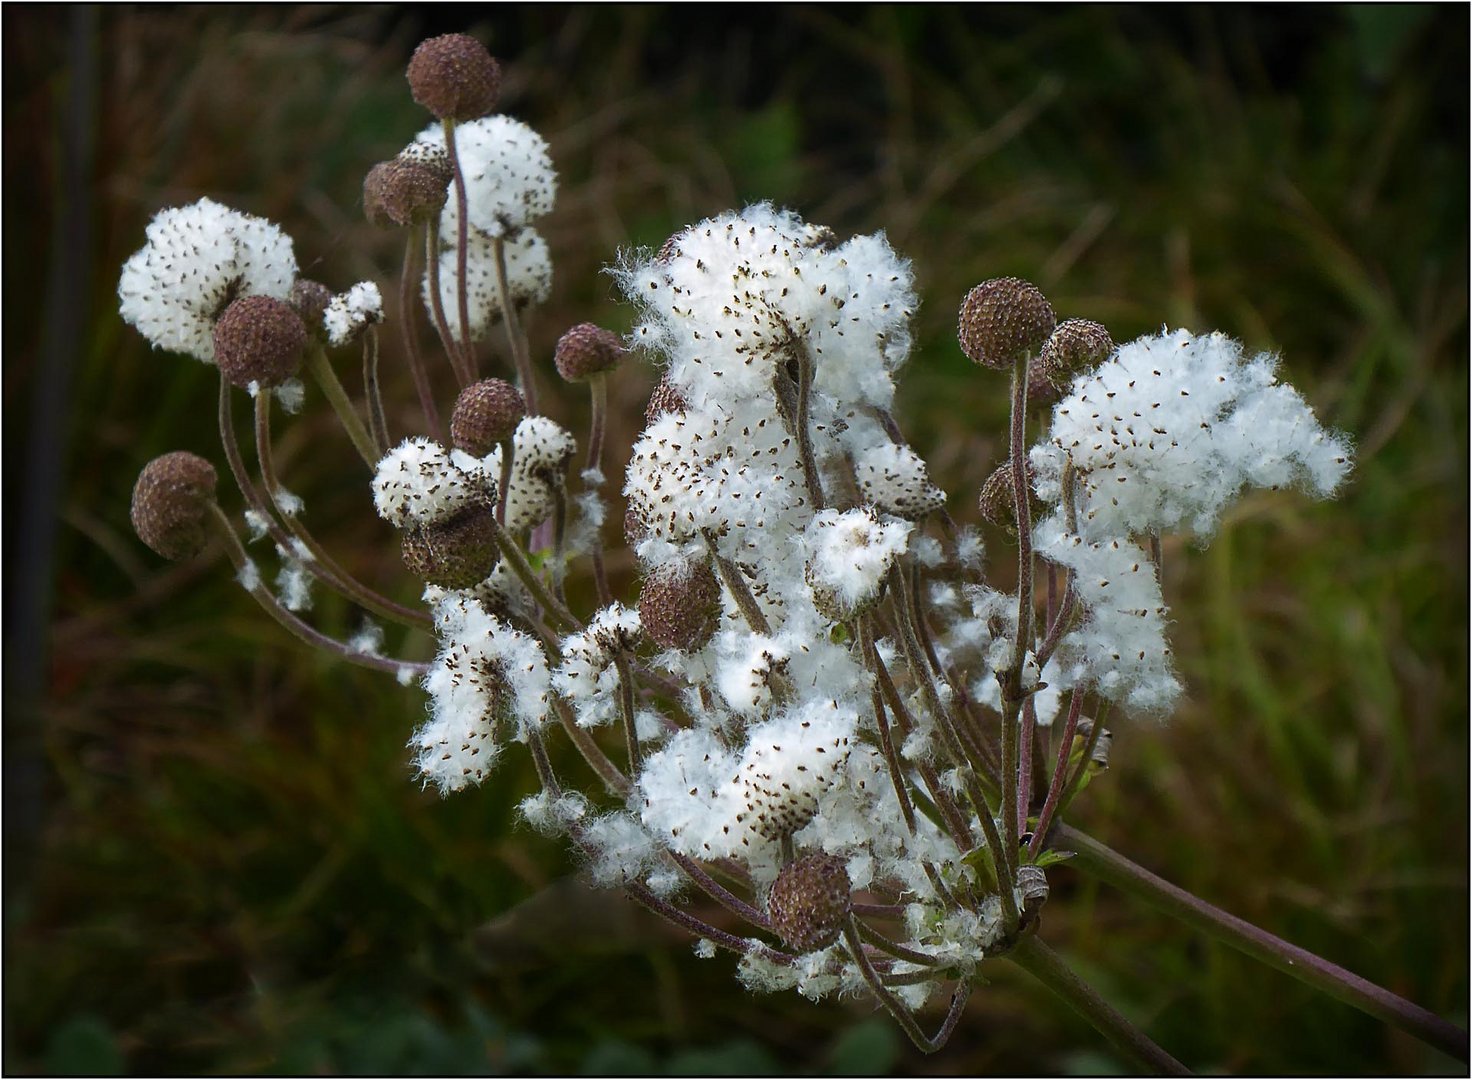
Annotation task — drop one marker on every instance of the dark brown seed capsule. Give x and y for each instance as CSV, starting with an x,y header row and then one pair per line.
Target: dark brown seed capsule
x,y
809,902
998,503
665,399
486,413
680,605
309,299
404,192
259,339
1076,345
457,553
454,77
1003,320
585,350
171,504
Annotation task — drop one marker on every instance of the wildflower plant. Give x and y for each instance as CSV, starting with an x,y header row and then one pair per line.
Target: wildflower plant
x,y
817,712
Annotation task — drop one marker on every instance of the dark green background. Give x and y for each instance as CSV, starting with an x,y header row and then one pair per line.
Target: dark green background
x,y
215,858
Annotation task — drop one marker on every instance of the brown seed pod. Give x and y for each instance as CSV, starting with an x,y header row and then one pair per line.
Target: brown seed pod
x,y
1076,345
1003,320
585,350
171,504
454,77
998,503
309,299
486,413
456,553
260,340
809,901
634,528
680,604
404,192
664,399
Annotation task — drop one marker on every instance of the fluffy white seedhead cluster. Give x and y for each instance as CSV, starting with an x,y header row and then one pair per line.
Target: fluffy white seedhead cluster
x,y
197,259
588,676
1169,431
487,676
849,555
349,313
509,185
541,451
895,479
419,482
1164,435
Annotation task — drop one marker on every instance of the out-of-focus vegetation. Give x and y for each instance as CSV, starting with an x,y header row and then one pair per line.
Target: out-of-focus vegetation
x,y
225,866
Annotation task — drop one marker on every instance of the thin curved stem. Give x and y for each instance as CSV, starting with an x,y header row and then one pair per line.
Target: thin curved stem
x,y
736,586
1110,866
327,568
407,327
377,423
302,630
893,1005
515,336
437,303
1060,773
1043,964
462,253
511,552
337,397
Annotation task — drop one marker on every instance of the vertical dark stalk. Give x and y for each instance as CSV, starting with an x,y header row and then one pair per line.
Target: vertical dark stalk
x,y
462,238
407,327
437,304
1060,774
377,423
321,370
597,424
515,336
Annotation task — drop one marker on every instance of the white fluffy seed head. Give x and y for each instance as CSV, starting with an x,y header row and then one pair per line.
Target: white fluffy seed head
x,y
197,259
528,278
419,482
509,179
349,313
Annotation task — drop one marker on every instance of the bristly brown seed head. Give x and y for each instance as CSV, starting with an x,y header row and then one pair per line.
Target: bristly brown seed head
x,y
664,399
404,191
454,77
680,605
809,901
486,413
309,299
1075,346
259,339
635,530
1003,320
998,502
171,504
585,350
457,553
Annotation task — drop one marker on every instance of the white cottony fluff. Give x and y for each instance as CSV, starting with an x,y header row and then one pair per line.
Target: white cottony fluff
x,y
850,553
509,180
420,482
1167,432
528,279
197,259
895,479
485,670
541,450
588,676
349,313
1120,648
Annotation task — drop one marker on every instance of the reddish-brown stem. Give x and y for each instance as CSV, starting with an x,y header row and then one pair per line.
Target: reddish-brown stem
x,y
462,248
408,328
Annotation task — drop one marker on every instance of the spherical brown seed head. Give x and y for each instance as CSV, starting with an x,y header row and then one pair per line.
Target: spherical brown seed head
x,y
171,504
1039,390
309,299
585,350
664,399
456,553
1002,320
259,339
1075,345
680,605
998,503
809,901
454,77
404,192
486,413
635,530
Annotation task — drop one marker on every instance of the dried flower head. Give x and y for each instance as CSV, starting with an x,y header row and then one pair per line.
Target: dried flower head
x,y
404,191
458,552
1075,345
680,604
665,398
586,350
259,340
309,299
999,504
454,77
809,901
1003,320
486,413
171,504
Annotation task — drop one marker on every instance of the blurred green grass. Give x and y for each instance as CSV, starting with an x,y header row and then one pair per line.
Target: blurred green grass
x,y
234,873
